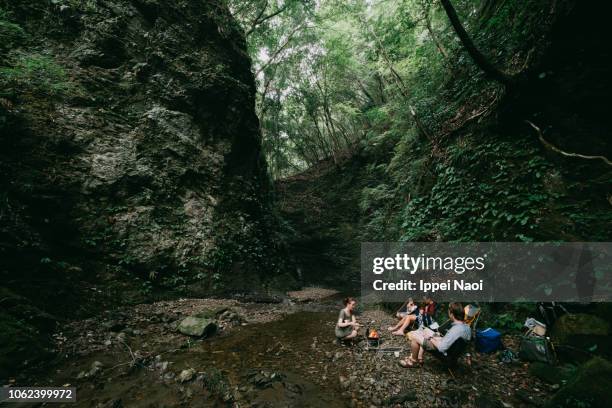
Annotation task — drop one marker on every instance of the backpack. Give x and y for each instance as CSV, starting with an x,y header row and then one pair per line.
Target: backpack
x,y
536,348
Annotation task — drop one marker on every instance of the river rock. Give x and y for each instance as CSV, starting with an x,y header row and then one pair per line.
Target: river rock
x,y
96,368
113,325
197,326
345,383
405,396
186,375
162,366
230,316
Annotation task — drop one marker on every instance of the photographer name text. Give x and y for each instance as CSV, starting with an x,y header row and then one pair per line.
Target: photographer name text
x,y
425,286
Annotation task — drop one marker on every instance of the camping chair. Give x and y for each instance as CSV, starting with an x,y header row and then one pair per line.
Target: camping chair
x,y
472,313
459,347
450,359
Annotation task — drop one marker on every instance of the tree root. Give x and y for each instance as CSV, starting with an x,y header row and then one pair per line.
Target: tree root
x,y
562,152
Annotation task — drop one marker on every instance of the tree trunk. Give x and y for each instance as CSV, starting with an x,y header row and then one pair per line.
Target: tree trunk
x,y
321,139
434,37
381,88
479,59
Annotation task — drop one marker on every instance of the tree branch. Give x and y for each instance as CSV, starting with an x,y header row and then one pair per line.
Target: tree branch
x,y
255,21
279,50
259,20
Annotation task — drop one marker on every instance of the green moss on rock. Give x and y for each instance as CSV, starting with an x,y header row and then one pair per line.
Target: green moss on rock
x,y
579,324
583,331
590,388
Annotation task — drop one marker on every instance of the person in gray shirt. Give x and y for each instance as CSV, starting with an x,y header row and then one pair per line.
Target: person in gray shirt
x,y
422,339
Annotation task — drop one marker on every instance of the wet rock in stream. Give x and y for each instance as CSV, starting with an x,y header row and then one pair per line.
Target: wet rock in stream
x,y
186,375
197,326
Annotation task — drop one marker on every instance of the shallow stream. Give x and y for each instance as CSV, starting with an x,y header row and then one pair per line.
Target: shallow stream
x,y
278,363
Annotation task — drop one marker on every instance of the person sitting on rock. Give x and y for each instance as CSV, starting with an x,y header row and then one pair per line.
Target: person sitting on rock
x,y
424,314
407,309
347,326
426,339
407,314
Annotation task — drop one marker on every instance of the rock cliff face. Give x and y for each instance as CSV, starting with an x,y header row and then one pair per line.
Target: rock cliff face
x,y
128,144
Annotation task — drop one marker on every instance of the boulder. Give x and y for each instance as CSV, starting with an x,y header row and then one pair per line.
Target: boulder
x,y
579,324
582,331
197,326
552,374
589,388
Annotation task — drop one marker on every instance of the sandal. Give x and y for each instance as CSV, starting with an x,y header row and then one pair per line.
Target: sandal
x,y
410,363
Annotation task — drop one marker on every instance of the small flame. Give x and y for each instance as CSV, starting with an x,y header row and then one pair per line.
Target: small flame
x,y
373,334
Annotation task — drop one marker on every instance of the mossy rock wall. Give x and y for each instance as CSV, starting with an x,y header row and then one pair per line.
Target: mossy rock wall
x,y
130,157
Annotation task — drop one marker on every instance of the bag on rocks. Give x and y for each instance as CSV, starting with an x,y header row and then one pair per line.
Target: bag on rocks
x,y
536,348
488,340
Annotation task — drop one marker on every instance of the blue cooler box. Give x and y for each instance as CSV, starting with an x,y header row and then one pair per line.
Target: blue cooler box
x,y
488,340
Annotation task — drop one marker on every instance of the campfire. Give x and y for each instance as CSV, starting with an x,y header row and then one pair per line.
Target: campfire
x,y
372,339
373,334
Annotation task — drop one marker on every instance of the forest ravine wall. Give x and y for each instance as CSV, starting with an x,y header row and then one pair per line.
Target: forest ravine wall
x,y
129,156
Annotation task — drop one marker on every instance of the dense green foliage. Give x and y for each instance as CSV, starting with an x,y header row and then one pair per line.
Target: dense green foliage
x,y
390,80
11,34
132,164
32,73
335,75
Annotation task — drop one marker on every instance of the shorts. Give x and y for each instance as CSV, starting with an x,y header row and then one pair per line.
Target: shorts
x,y
421,338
